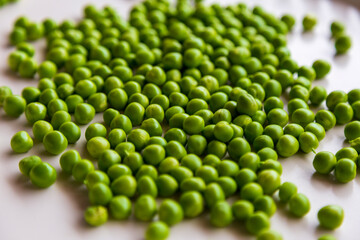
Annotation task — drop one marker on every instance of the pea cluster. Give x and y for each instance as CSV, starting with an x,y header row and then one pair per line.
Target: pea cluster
x,y
190,98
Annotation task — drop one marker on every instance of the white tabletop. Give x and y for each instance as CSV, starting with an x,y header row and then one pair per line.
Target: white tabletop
x,y
57,213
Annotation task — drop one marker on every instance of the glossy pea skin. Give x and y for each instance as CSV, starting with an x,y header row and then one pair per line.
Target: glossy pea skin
x,y
246,104
213,194
21,142
68,160
343,44
343,113
287,146
14,106
27,163
308,142
303,116
100,194
170,212
251,191
71,131
43,175
221,214
322,68
167,185
317,129
257,222
40,129
317,95
242,209
334,98
326,119
269,180
124,185
286,191
84,113
147,185
157,231
96,215
293,129
345,170
192,203
120,207
267,153
352,130
265,204
97,145
324,162
331,216
145,208
196,144
299,205
81,169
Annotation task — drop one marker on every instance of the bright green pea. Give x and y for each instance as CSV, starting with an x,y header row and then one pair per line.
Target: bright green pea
x,y
47,69
157,231
223,131
213,194
170,212
100,194
286,191
124,185
265,204
334,98
343,113
147,185
352,130
299,205
308,142
59,118
28,68
71,131
324,162
331,216
95,177
95,130
257,222
221,214
120,207
287,146
238,147
326,119
43,175
21,142
97,145
274,131
55,142
322,68
68,160
14,105
27,163
303,116
345,170
34,112
309,22
84,113
343,44
96,215
167,185
246,104
145,208
269,234
251,191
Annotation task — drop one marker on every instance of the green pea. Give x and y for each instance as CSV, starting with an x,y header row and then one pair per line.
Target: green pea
x,y
228,185
100,194
308,142
295,104
269,180
96,215
14,105
139,138
124,185
309,22
324,162
334,98
170,212
120,207
326,119
274,131
145,208
242,209
287,146
265,204
286,191
245,176
118,98
27,163
326,237
269,234
299,205
343,44
303,116
251,191
68,160
167,185
352,130
278,116
221,214
343,113
246,104
21,142
322,68
331,216
157,231
97,145
345,170
43,175
238,147
84,113
257,223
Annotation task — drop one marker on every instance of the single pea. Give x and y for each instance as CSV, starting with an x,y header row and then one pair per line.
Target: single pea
x,y
251,191
4,92
228,185
68,160
193,184
213,194
334,98
269,180
55,142
345,170
238,147
34,112
96,215
257,223
47,69
100,194
21,142
96,177
324,162
153,154
278,116
246,104
95,130
56,105
14,105
331,216
120,207
59,118
352,130
353,95
309,22
337,28
71,131
145,208
326,119
124,185
343,113
289,20
286,191
287,146
242,209
303,116
116,136
316,129
221,214
147,185
267,154
170,212
192,203
308,142
40,129
356,109
97,145
299,205
84,113
72,101
274,131
322,68
293,129
28,68
118,98
121,121
167,185
43,175
265,204
27,163
196,144
157,231
343,44
217,148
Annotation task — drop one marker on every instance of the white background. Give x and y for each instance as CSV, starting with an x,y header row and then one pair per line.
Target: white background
x,y
56,213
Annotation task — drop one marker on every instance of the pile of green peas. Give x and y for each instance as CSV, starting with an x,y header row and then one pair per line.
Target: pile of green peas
x,y
192,114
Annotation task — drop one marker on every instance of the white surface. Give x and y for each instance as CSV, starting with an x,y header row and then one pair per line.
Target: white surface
x,y
56,213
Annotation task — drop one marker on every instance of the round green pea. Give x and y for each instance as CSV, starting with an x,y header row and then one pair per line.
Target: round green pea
x,y
68,160
257,223
55,142
71,131
97,145
345,170
287,146
299,205
331,216
324,162
96,215
21,142
14,105
157,231
27,163
43,175
286,191
145,208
